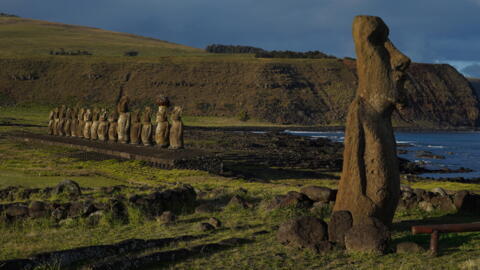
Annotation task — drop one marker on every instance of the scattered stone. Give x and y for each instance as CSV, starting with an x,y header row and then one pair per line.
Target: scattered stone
x,y
467,202
409,247
443,203
205,208
303,232
37,209
95,218
440,191
205,227
319,194
371,237
166,217
419,193
428,154
238,201
426,206
340,223
296,200
69,187
404,188
273,203
215,222
16,211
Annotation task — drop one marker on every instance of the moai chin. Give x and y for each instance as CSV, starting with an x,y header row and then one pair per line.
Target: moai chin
x,y
112,127
123,123
176,129
147,127
370,183
162,129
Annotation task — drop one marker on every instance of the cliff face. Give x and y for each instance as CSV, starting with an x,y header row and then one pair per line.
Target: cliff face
x,y
276,90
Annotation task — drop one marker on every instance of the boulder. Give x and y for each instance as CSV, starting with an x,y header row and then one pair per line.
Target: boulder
x,y
238,201
38,209
205,208
296,200
303,232
69,187
443,203
340,223
409,247
426,206
440,191
205,227
319,194
467,202
215,222
371,236
16,211
166,217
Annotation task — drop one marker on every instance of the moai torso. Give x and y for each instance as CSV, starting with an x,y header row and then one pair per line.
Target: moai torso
x,y
123,126
135,128
87,119
370,183
61,121
81,122
162,129
94,127
146,133
102,126
74,123
112,127
51,121
56,121
68,122
176,129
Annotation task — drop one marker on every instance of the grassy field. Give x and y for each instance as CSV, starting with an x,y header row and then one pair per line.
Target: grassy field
x,y
35,165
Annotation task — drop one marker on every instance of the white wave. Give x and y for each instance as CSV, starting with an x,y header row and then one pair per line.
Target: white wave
x,y
436,146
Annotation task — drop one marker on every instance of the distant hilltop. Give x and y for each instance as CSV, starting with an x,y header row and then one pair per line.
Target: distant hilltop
x,y
52,63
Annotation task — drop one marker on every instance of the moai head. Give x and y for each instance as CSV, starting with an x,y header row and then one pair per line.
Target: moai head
x,y
177,113
146,116
381,68
113,117
103,115
56,112
68,113
95,114
88,115
122,105
162,100
62,111
81,112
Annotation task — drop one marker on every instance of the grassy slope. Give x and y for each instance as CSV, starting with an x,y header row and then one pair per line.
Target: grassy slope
x,y
37,166
26,37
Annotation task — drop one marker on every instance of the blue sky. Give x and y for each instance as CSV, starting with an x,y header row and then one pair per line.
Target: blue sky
x,y
432,31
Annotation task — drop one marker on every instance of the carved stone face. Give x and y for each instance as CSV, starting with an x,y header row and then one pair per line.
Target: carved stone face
x,y
381,67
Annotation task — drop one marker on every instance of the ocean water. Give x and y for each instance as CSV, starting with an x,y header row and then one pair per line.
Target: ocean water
x,y
460,149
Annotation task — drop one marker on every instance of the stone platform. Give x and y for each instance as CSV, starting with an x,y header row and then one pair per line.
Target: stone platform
x,y
192,159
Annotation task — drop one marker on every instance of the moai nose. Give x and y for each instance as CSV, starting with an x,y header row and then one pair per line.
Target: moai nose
x,y
398,60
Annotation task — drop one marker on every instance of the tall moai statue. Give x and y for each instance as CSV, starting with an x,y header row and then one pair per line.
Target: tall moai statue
x,y
147,127
95,123
162,129
102,126
370,184
123,127
61,120
135,128
74,122
51,122
68,122
112,126
56,120
81,122
176,130
87,126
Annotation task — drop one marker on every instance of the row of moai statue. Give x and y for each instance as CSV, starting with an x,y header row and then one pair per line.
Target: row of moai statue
x,y
121,125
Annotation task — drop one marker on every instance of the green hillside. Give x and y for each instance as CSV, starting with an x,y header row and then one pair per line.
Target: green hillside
x,y
27,37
